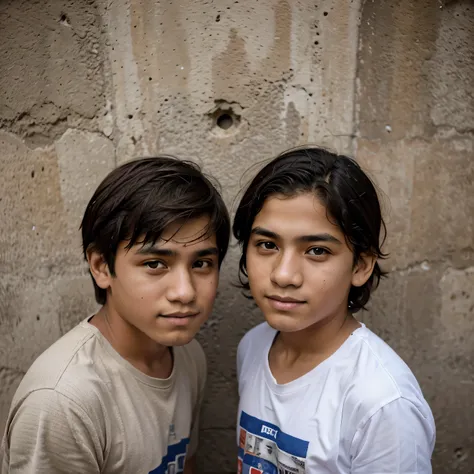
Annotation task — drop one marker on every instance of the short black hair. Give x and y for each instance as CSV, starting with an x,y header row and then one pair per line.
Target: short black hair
x,y
342,187
139,199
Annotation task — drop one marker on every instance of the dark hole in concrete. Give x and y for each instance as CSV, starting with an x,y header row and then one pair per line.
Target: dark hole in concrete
x,y
33,174
37,318
130,116
218,18
458,452
64,20
325,13
225,121
316,43
224,117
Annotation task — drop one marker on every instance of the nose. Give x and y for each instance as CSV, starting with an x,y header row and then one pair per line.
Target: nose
x,y
181,288
287,271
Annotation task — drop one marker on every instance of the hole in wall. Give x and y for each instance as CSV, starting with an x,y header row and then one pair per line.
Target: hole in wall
x,y
225,121
225,118
64,20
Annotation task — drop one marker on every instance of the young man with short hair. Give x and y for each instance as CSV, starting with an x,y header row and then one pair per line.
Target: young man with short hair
x,y
121,392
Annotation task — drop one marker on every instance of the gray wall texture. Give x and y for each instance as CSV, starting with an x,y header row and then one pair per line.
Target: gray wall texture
x,y
86,85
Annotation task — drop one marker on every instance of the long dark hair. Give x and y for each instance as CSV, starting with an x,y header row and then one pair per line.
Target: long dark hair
x,y
343,188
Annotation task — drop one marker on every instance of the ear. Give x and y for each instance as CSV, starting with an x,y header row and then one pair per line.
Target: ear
x,y
98,268
363,269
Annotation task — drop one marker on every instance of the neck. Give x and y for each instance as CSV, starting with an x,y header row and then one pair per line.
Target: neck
x,y
321,339
141,351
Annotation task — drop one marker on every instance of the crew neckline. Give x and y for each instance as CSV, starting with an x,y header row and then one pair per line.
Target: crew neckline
x,y
308,377
125,364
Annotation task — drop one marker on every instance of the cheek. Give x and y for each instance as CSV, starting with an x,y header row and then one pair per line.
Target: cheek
x,y
256,266
136,286
207,289
334,278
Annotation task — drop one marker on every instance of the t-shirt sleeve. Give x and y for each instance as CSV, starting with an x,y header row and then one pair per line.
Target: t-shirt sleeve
x,y
397,438
52,434
202,378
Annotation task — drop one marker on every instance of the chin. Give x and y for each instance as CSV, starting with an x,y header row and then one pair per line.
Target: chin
x,y
179,339
284,322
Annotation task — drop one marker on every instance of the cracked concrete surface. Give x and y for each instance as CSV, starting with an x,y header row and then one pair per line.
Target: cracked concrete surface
x,y
85,86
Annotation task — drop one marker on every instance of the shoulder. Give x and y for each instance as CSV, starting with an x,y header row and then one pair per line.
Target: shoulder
x,y
257,337
378,377
252,348
68,371
51,366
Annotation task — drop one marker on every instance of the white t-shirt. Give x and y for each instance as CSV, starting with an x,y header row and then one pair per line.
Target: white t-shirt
x,y
361,411
82,408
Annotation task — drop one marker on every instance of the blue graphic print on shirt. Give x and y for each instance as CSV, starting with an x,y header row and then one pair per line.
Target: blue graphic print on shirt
x,y
173,461
265,449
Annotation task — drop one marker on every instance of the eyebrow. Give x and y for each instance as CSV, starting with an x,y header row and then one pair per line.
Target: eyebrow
x,y
303,238
159,252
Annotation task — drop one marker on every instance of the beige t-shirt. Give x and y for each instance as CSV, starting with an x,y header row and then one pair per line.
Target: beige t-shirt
x,y
82,408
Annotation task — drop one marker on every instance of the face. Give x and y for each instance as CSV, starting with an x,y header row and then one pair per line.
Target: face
x,y
299,266
166,290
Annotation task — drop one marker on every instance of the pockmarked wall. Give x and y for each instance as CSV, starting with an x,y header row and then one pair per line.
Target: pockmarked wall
x,y
85,86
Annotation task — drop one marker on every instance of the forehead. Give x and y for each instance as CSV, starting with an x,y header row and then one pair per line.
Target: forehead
x,y
295,216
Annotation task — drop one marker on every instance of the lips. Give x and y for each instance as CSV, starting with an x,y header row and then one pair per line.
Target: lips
x,y
285,299
179,315
179,319
284,303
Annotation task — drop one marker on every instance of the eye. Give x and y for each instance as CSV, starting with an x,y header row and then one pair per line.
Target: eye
x,y
203,264
266,245
154,264
318,251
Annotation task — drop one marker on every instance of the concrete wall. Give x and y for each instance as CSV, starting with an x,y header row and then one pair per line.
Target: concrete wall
x,y
87,85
